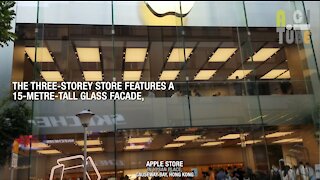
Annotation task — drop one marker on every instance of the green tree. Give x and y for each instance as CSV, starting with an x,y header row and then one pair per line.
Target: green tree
x,y
7,14
14,122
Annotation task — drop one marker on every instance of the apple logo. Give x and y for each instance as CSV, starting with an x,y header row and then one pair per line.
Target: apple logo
x,y
163,8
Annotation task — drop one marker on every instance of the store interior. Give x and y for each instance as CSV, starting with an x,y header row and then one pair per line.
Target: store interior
x,y
207,62
127,151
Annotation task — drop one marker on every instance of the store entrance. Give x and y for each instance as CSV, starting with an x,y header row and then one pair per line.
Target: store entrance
x,y
245,151
204,151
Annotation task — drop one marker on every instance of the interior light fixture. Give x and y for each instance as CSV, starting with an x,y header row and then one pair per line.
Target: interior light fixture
x,y
290,140
92,75
54,76
139,140
232,136
277,134
177,54
94,149
174,145
212,143
89,142
43,54
285,75
273,73
168,75
222,54
52,151
39,145
88,54
251,142
240,73
137,147
263,54
131,75
204,74
187,138
135,54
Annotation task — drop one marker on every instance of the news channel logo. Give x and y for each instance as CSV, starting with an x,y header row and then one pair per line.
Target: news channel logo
x,y
298,32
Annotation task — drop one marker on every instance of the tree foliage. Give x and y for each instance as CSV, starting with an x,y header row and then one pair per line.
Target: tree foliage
x,y
7,14
14,122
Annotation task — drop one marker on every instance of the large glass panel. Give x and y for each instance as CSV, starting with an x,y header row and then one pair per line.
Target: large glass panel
x,y
152,51
221,81
58,52
290,76
246,98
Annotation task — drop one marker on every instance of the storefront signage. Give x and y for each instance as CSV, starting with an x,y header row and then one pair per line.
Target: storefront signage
x,y
73,121
58,141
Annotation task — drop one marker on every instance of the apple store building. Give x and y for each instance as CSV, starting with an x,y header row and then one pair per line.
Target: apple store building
x,y
245,104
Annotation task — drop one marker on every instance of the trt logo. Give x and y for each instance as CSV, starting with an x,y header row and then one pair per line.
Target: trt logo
x,y
297,32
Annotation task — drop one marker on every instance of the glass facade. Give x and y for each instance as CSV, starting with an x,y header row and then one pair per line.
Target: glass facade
x,y
243,99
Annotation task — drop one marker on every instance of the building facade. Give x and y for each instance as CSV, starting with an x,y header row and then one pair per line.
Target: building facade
x,y
246,85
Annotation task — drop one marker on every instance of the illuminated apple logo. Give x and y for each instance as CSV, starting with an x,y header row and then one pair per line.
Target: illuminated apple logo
x,y
163,8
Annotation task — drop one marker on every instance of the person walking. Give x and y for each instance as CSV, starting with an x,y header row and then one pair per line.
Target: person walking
x,y
238,87
221,174
310,172
302,171
275,173
211,174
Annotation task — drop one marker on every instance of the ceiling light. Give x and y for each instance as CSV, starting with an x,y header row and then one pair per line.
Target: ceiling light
x,y
135,54
95,149
278,134
251,142
232,136
131,75
174,145
43,54
273,73
290,140
39,145
169,75
222,54
264,54
51,75
204,74
240,73
139,140
92,75
212,143
89,142
177,54
134,147
285,75
187,138
88,54
49,151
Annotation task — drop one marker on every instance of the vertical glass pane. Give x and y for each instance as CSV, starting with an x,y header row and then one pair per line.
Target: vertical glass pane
x,y
69,53
290,76
153,46
149,48
246,99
